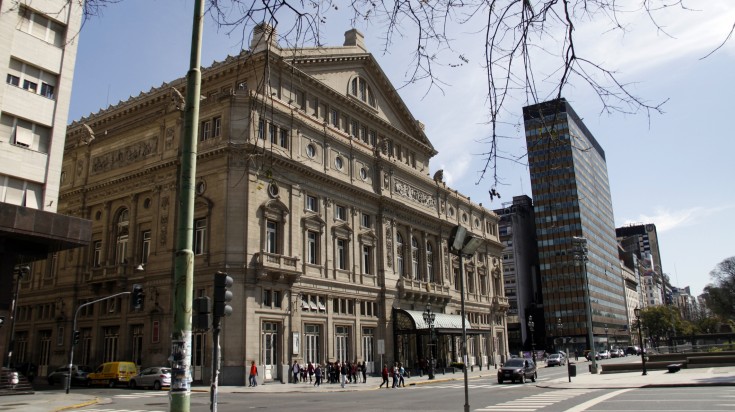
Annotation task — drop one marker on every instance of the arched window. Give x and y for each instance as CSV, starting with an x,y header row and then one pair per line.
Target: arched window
x,y
360,89
415,258
399,254
121,237
430,263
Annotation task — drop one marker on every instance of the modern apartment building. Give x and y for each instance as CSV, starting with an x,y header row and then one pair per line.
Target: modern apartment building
x,y
517,228
37,56
571,194
312,192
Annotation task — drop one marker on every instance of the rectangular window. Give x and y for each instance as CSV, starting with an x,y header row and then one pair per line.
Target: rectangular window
x,y
334,118
341,212
272,131
47,90
216,126
97,254
312,204
354,126
301,99
341,254
30,86
276,299
283,142
271,236
267,298
365,220
205,132
312,245
145,246
367,258
200,232
373,137
13,80
364,134
261,129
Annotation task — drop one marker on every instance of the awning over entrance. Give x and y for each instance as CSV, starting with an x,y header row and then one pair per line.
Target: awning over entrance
x,y
412,320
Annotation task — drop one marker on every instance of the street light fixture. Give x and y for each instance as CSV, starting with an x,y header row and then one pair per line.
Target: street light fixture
x,y
559,327
580,258
463,244
533,344
429,318
607,340
20,272
637,313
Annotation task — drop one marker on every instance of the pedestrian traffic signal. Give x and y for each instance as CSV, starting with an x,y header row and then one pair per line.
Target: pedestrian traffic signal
x,y
75,338
200,317
222,296
136,297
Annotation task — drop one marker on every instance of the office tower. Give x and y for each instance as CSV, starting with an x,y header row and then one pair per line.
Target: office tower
x,y
38,42
572,199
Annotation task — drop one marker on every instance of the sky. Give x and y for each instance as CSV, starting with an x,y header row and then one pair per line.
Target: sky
x,y
673,169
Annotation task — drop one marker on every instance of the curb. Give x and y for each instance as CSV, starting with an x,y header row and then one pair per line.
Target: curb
x,y
79,405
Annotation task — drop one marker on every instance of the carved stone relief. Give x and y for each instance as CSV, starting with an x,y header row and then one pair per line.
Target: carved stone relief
x,y
412,193
124,156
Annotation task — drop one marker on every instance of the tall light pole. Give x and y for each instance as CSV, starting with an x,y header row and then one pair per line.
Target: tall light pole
x,y
533,344
637,313
607,340
559,327
463,244
580,258
429,318
20,272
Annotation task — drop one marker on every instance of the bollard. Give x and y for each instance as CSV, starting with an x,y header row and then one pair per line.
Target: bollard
x,y
571,370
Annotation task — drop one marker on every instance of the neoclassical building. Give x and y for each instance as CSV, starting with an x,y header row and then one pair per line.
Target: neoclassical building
x,y
312,191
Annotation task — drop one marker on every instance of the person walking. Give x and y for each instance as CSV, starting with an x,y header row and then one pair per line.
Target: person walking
x,y
310,368
395,374
401,372
364,372
318,375
295,369
345,371
384,374
253,375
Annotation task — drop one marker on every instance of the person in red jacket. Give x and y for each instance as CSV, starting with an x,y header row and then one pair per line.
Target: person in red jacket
x,y
253,374
385,376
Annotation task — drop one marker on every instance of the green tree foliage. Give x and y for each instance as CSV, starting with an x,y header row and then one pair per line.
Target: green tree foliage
x,y
720,294
662,321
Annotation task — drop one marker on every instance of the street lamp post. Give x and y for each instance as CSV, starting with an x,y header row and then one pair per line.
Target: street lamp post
x,y
637,313
607,340
463,244
20,272
533,344
429,318
559,327
580,257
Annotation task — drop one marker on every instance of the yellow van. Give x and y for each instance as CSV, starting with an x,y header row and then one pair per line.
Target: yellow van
x,y
112,373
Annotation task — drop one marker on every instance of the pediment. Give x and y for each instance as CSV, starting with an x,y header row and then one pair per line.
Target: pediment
x,y
338,72
342,230
313,222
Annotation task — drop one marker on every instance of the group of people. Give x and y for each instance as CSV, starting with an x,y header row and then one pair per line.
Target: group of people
x,y
333,372
398,372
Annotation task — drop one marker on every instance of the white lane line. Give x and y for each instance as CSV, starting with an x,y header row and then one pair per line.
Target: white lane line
x,y
592,402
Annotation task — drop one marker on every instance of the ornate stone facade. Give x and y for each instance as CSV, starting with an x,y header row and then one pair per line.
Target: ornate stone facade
x,y
290,203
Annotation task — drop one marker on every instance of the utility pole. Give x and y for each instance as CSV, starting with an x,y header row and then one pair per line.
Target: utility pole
x,y
180,398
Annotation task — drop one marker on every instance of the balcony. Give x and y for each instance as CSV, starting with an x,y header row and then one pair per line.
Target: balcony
x,y
423,291
275,266
500,303
111,278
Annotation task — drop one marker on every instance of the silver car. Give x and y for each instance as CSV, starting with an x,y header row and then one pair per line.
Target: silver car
x,y
155,377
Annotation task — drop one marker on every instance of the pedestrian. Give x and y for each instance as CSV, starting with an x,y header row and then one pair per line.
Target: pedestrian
x,y
353,372
401,372
364,372
344,371
303,374
384,374
310,368
318,374
253,375
395,374
295,371
576,355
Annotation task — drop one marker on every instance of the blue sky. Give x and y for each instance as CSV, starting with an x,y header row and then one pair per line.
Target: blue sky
x,y
675,170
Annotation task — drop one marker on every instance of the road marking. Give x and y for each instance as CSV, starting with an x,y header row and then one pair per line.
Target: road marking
x,y
120,410
592,402
534,402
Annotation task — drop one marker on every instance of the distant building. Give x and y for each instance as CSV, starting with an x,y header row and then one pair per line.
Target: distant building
x,y
521,277
37,57
312,193
642,239
571,194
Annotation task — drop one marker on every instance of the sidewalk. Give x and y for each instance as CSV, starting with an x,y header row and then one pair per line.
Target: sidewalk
x,y
725,376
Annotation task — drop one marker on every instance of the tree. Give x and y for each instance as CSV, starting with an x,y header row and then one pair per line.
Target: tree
x,y
530,48
662,321
720,295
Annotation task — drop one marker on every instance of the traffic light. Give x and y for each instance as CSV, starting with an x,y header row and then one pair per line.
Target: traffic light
x,y
222,296
200,318
76,337
136,297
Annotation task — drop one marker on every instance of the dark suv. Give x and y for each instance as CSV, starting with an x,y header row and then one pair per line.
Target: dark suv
x,y
518,369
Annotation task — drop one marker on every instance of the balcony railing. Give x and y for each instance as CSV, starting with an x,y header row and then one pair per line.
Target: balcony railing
x,y
420,289
500,302
275,264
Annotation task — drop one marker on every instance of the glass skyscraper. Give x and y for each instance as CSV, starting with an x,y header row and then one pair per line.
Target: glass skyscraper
x,y
571,194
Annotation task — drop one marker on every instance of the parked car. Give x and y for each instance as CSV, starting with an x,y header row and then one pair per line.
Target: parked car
x,y
78,377
155,377
112,374
556,359
604,354
633,350
517,369
617,353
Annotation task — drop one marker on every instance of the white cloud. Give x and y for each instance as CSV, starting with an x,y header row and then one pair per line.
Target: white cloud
x,y
667,219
